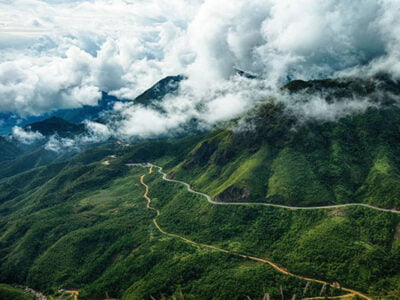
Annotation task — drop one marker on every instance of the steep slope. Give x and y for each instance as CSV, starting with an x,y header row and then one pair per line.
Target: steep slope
x,y
382,184
329,245
279,161
83,221
61,230
8,149
159,90
8,292
293,181
30,159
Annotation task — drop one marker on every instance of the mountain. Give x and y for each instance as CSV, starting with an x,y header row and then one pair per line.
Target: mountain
x,y
100,112
56,125
316,164
9,120
245,74
8,149
380,88
159,90
18,157
68,124
74,115
86,112
82,220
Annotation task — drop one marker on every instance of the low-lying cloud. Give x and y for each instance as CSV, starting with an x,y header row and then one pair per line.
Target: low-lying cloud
x,y
62,54
26,136
59,144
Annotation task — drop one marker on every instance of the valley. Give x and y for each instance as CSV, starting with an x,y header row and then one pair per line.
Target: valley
x,y
318,198
199,150
282,270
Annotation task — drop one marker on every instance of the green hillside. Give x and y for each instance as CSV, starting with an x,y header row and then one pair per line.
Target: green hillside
x,y
281,161
70,232
102,240
8,150
81,221
8,292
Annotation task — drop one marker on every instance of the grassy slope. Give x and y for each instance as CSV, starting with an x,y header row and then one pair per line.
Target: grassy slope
x,y
88,227
8,150
356,248
8,292
102,240
293,181
354,160
80,223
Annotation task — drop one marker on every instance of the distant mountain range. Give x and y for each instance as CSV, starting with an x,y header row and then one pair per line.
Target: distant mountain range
x,y
150,97
75,115
16,157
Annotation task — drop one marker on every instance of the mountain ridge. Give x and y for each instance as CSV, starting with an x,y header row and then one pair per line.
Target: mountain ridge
x,y
82,221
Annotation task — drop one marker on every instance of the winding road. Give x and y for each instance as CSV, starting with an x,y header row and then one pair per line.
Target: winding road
x,y
189,188
351,293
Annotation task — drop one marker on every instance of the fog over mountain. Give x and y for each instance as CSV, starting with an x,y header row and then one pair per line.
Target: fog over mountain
x,y
63,54
199,149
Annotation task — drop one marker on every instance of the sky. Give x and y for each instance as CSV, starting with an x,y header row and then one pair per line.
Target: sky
x,y
61,54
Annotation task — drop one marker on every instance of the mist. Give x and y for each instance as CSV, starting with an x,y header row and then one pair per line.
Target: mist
x,y
62,54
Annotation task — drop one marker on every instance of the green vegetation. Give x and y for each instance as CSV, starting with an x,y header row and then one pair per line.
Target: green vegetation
x,y
294,181
8,150
354,246
277,160
102,240
382,184
8,292
76,221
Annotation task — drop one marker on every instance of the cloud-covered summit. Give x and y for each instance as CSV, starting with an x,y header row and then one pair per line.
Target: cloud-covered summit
x,y
62,54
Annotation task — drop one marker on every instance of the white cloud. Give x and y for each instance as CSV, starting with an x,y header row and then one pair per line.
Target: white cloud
x,y
315,107
58,144
26,136
146,122
224,108
60,54
95,132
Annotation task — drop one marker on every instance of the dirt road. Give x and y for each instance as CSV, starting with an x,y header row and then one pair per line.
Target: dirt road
x,y
262,260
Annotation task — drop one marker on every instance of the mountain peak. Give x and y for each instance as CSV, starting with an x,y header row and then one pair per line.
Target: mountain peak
x,y
159,90
55,125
